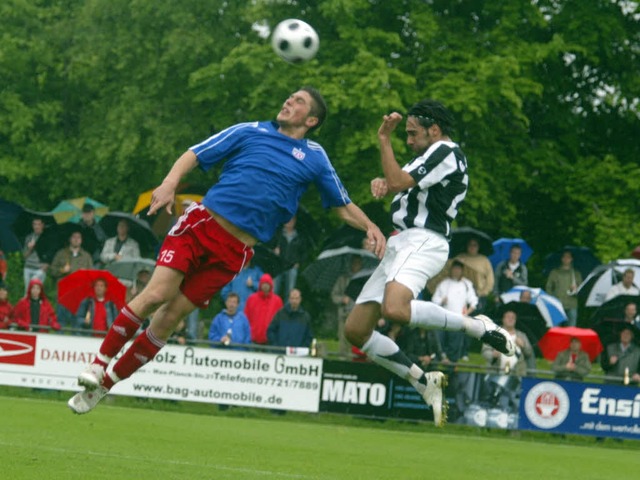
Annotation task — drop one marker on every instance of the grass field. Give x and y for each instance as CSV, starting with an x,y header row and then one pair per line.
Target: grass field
x,y
40,438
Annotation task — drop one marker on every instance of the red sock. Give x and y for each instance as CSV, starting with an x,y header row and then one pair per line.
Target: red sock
x,y
124,327
141,351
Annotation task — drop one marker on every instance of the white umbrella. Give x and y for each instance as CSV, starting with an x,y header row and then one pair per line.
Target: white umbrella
x,y
550,307
594,288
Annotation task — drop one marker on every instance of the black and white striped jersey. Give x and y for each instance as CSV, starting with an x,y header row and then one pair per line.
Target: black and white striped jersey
x,y
442,181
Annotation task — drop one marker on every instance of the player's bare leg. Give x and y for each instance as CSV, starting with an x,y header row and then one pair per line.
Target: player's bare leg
x,y
143,349
360,331
162,287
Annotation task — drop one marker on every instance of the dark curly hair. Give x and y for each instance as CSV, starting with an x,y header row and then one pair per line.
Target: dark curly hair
x,y
430,112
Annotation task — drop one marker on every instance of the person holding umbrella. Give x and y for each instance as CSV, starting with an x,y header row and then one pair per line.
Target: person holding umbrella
x,y
428,191
622,358
267,168
563,284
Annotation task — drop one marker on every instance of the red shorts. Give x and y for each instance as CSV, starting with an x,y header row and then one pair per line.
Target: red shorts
x,y
206,253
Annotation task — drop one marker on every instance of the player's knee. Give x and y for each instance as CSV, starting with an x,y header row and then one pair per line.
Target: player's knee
x,y
152,298
354,333
396,312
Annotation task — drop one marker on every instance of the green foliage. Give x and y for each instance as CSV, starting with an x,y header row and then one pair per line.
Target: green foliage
x,y
100,97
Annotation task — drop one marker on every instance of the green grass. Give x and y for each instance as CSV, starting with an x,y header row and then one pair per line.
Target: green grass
x,y
40,438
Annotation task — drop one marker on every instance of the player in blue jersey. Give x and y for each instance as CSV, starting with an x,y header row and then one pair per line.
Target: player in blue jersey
x,y
427,192
267,167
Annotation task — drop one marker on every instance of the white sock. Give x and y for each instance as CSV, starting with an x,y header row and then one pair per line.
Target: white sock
x,y
429,315
384,351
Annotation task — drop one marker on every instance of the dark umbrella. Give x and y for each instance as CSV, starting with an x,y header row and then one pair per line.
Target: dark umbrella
x,y
528,319
460,238
128,268
9,212
344,236
139,230
22,224
613,309
583,260
323,272
354,287
78,285
268,261
609,330
635,253
57,236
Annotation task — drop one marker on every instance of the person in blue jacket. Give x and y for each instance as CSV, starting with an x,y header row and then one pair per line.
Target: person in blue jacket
x,y
231,324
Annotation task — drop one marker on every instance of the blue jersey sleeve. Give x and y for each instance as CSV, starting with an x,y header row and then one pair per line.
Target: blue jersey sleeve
x,y
222,145
332,191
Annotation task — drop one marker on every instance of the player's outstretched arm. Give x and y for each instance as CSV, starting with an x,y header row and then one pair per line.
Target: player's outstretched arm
x,y
164,195
354,216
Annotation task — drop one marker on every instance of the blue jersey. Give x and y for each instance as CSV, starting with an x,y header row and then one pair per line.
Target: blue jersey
x,y
264,176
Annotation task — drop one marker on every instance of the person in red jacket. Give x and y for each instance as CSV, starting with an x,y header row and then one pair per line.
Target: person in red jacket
x,y
6,310
34,309
261,308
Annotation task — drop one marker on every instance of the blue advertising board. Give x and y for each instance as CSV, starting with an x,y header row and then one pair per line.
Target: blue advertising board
x,y
580,408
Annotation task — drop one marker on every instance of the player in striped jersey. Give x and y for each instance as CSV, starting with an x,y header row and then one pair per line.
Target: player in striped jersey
x,y
428,191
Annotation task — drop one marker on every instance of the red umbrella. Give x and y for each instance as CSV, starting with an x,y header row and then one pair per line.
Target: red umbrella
x,y
558,338
78,285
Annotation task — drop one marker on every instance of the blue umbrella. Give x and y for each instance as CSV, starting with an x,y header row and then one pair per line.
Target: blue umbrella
x,y
549,306
502,247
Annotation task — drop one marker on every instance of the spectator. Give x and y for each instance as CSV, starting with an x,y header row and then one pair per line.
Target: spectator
x,y
457,295
478,269
70,258
421,346
88,224
33,267
142,278
6,310
179,335
523,359
563,284
292,248
525,296
344,303
624,287
572,363
631,314
623,356
511,273
260,309
291,325
243,284
34,309
231,324
121,246
95,312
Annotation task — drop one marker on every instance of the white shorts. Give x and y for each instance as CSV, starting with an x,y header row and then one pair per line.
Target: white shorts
x,y
412,258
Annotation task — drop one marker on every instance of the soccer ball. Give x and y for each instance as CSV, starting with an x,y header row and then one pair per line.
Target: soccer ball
x,y
295,41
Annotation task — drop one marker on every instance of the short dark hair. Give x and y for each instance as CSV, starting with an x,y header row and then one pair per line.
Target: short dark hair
x,y
318,106
457,263
233,295
87,207
430,112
